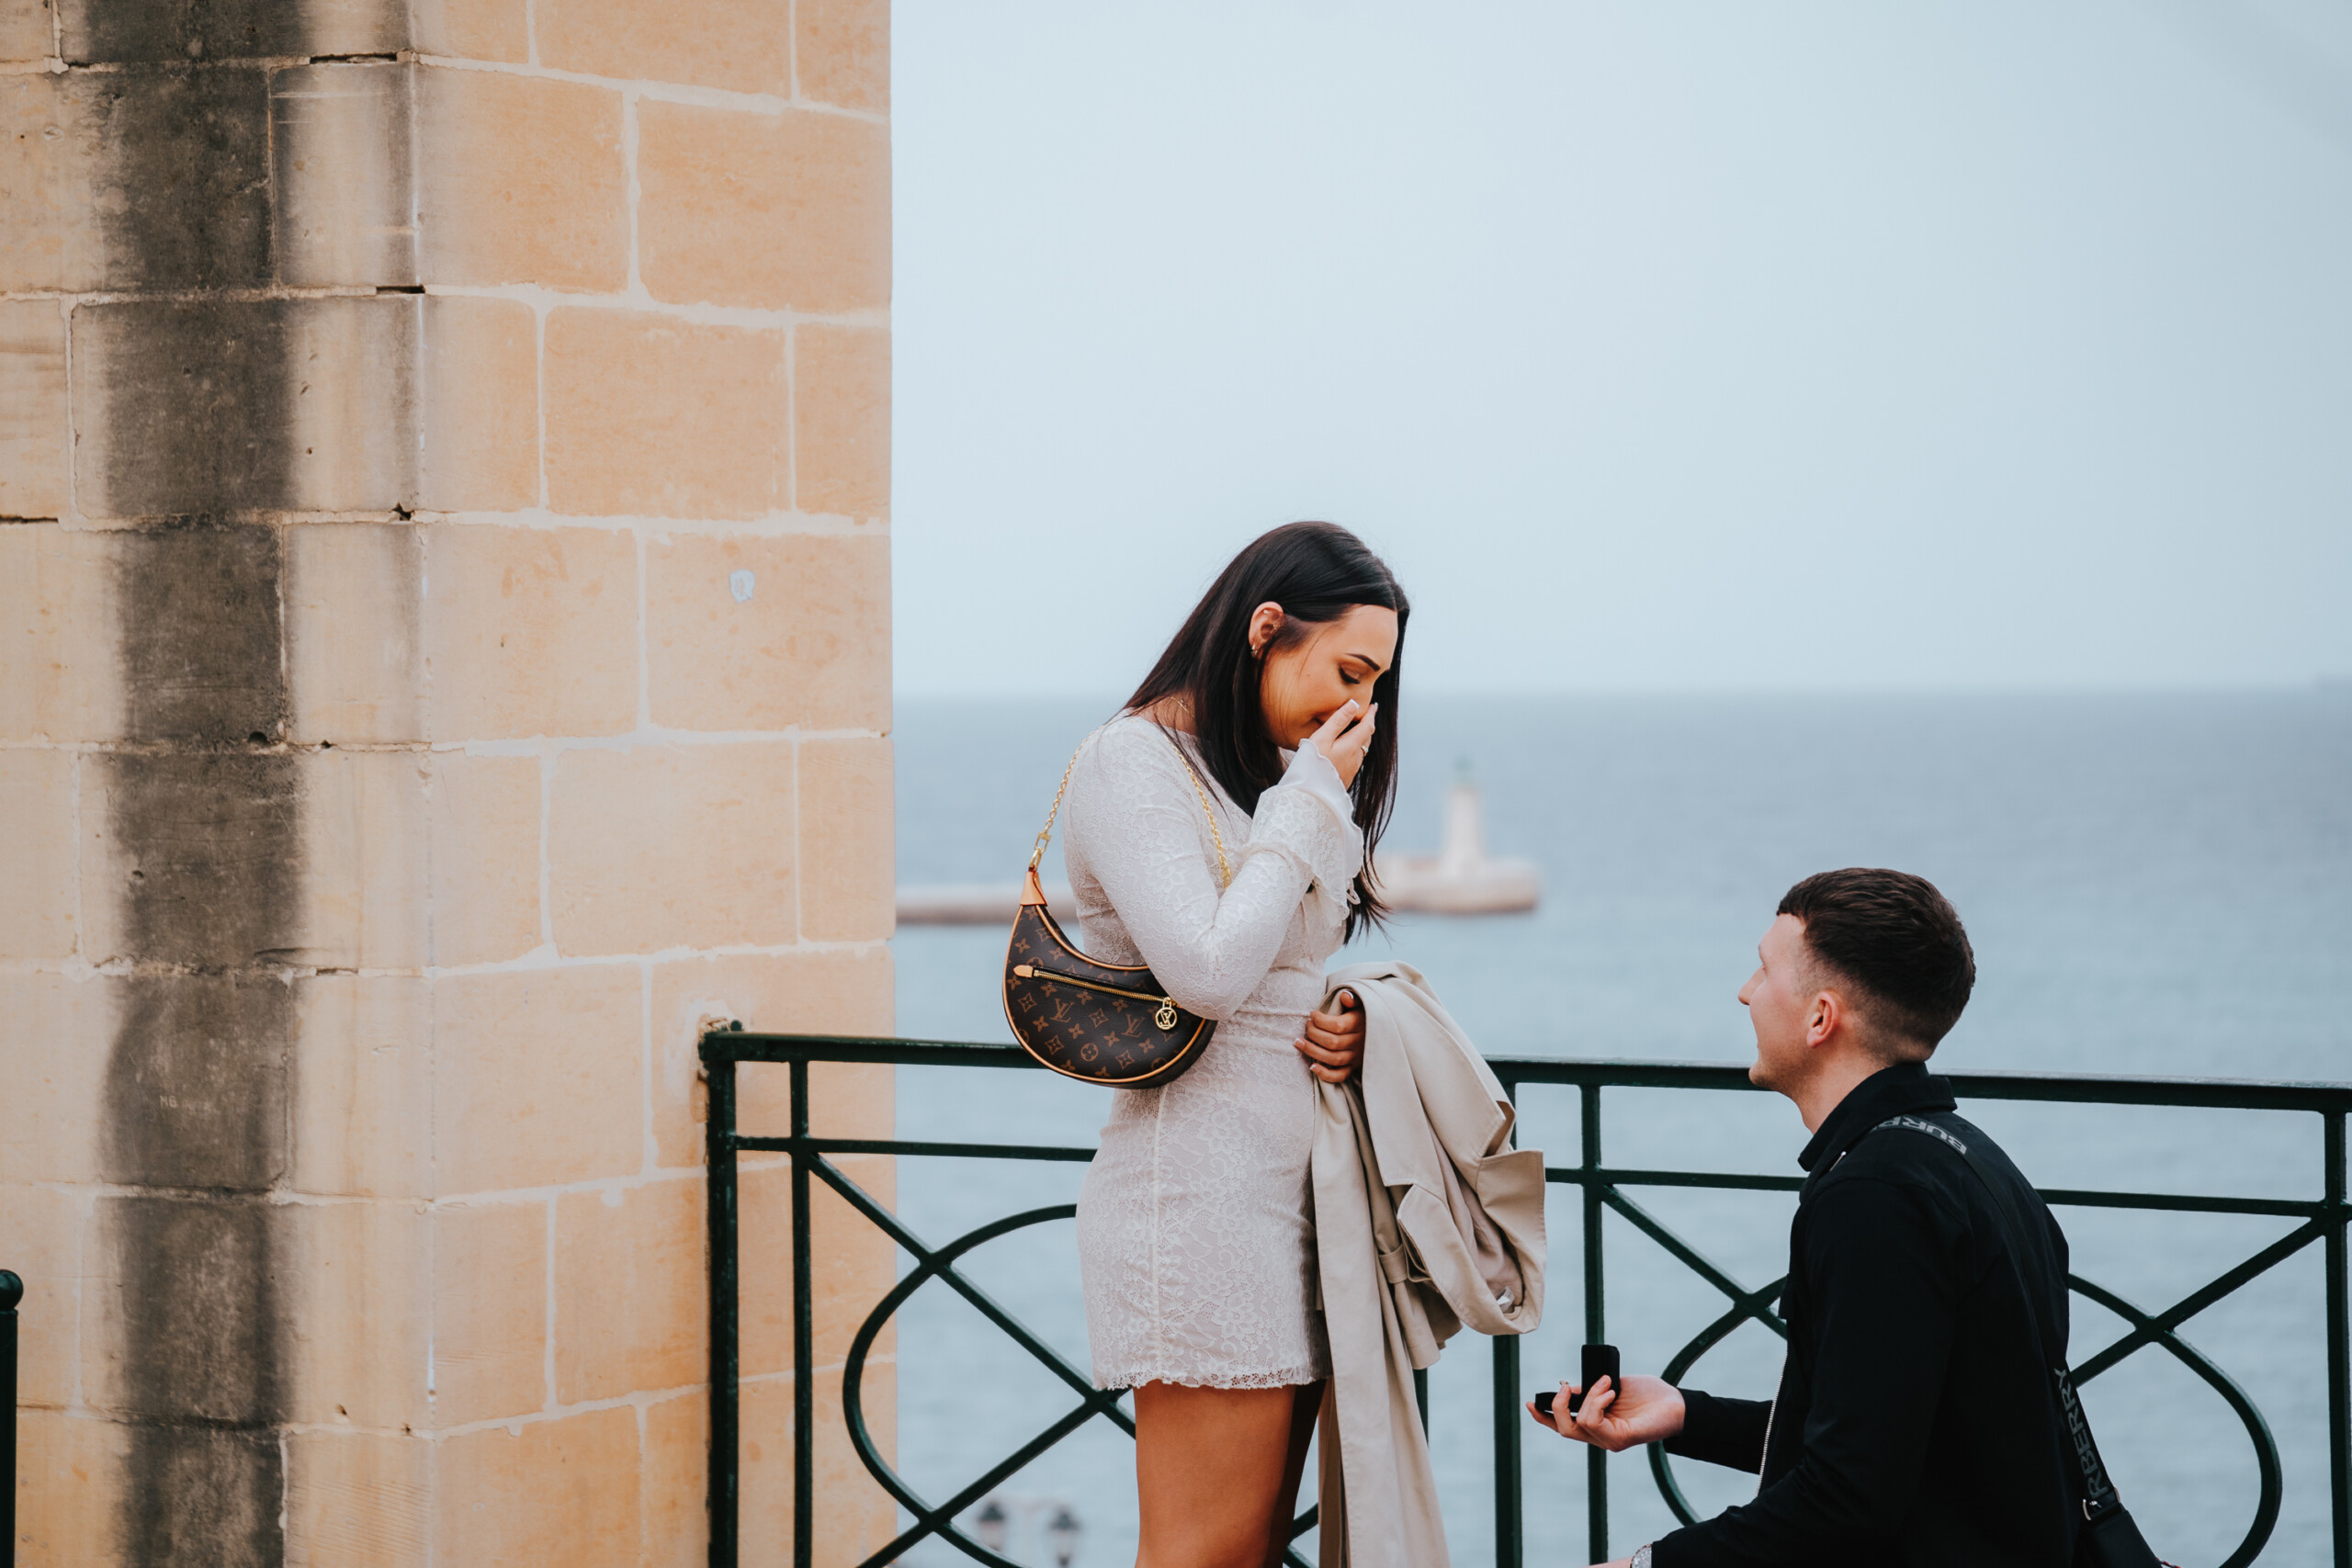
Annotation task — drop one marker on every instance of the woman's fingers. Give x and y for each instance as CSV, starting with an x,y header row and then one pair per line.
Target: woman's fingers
x,y
1326,739
1339,1033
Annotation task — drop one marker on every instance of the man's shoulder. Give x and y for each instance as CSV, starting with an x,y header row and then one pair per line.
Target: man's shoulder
x,y
1916,1161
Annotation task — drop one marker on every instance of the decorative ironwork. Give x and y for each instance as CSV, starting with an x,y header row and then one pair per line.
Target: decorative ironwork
x,y
2325,1219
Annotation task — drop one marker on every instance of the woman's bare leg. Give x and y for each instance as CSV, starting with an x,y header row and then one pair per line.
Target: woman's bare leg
x,y
1307,1404
1210,1463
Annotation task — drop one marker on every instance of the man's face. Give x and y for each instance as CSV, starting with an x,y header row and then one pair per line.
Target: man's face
x,y
1779,1001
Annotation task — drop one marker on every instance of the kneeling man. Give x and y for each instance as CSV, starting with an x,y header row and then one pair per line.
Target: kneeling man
x,y
1916,1423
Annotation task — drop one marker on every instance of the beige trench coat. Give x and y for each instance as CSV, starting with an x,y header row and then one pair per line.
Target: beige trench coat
x,y
1425,1220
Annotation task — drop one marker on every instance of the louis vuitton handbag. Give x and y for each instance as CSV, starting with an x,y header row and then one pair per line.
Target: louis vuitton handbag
x,y
1106,1023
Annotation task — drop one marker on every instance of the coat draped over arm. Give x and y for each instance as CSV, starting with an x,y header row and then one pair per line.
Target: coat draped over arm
x,y
1425,1220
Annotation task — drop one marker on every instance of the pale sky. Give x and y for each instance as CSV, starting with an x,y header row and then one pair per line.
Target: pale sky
x,y
1657,345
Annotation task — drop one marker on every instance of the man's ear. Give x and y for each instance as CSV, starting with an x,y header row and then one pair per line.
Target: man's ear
x,y
1828,1016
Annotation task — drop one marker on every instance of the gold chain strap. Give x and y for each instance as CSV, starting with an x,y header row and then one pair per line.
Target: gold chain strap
x,y
1037,855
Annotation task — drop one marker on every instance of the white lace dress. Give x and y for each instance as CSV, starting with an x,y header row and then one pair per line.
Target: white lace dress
x,y
1194,1230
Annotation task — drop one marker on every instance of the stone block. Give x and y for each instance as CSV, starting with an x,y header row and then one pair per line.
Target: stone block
x,y
651,416
352,608
194,1085
854,1263
677,1480
472,29
490,1312
201,636
662,847
171,32
206,406
58,639
191,858
856,1517
363,865
28,31
33,408
55,1062
777,632
840,992
537,1078
359,1324
545,1492
480,370
784,212
343,153
134,181
842,52
38,911
357,1500
530,631
363,1085
847,885
521,180
631,1307
351,414
70,1475
41,1228
841,422
485,838
742,45
185,1312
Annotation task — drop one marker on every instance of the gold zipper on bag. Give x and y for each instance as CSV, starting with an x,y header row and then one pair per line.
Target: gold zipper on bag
x,y
1165,1017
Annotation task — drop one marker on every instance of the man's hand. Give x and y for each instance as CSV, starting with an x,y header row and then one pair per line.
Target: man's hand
x,y
1646,1410
1334,1042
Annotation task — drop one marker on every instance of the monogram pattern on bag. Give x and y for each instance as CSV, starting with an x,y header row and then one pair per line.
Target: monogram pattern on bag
x,y
1072,1031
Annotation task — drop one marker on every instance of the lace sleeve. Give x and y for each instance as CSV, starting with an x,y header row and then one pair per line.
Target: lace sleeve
x,y
1133,818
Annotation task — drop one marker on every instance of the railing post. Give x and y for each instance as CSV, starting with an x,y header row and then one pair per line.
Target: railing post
x,y
1508,1545
803,1326
1595,1324
725,1309
11,1291
2340,1346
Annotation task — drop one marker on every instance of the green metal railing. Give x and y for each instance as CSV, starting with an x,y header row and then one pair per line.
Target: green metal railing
x,y
2322,1219
11,1291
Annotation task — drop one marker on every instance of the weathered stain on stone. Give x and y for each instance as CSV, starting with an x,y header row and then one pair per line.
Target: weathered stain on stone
x,y
178,405
204,846
192,1271
145,178
130,30
204,1496
202,819
246,405
196,1087
202,630
182,182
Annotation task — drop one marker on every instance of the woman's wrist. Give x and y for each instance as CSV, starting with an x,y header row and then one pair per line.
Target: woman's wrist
x,y
1312,771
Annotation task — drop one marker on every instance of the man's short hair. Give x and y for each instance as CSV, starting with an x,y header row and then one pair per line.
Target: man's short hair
x,y
1894,939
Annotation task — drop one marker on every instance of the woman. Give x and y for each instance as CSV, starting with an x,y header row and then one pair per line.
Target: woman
x,y
1274,709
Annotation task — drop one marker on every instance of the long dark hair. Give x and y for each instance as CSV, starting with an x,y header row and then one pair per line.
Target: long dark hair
x,y
1316,572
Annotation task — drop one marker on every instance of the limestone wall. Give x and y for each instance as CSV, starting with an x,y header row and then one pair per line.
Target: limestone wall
x,y
444,588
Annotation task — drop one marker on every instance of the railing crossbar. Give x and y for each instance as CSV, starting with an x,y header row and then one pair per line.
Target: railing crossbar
x,y
2196,1300
1744,1299
919,1150
1012,1327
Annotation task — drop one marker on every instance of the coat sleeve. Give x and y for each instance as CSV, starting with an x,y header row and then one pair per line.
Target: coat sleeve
x,y
1721,1431
1878,1257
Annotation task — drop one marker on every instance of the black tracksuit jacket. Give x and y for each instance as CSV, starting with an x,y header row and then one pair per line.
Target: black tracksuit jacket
x,y
1914,1423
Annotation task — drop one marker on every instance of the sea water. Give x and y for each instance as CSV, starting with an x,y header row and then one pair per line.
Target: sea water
x,y
2155,884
